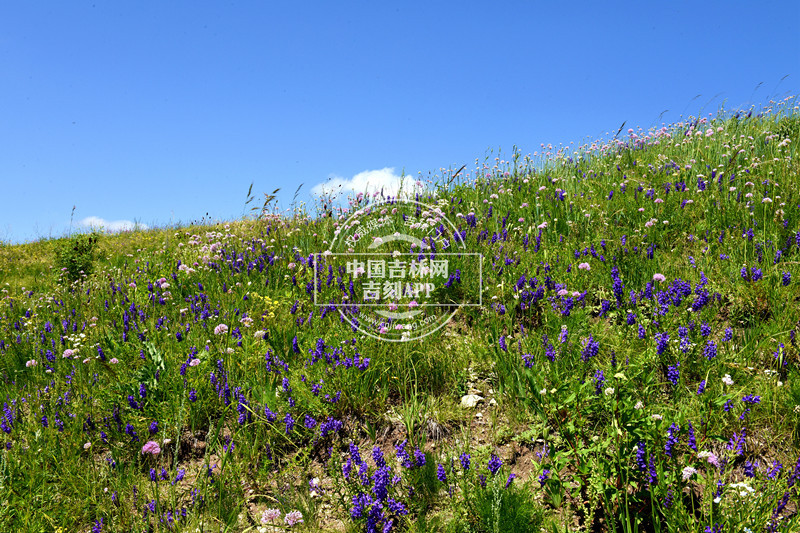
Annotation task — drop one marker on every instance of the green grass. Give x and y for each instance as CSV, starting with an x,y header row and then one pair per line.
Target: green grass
x,y
577,388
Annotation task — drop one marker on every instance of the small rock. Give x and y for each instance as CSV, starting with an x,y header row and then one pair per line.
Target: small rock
x,y
470,400
479,415
492,402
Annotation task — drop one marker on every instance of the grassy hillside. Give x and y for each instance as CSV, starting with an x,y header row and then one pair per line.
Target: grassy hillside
x,y
635,362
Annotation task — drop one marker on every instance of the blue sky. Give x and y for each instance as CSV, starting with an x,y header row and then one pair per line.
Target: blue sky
x,y
165,112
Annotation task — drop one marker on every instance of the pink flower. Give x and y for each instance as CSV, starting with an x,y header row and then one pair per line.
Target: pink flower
x,y
659,278
270,515
114,361
688,472
31,363
221,329
292,518
151,447
658,201
68,353
194,362
584,266
412,304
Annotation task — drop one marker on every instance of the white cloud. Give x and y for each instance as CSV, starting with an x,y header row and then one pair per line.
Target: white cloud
x,y
110,225
369,181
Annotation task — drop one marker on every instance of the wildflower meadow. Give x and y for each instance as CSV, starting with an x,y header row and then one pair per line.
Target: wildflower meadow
x,y
633,364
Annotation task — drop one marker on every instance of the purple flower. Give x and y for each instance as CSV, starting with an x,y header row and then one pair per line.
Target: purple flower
x,y
544,477
673,374
549,352
381,479
599,380
672,439
653,474
787,279
377,456
692,441
794,475
641,456
510,479
701,388
331,425
440,473
419,457
662,341
494,464
775,470
737,442
710,350
465,457
669,497
289,421
590,349
347,467
402,454
773,523
778,354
